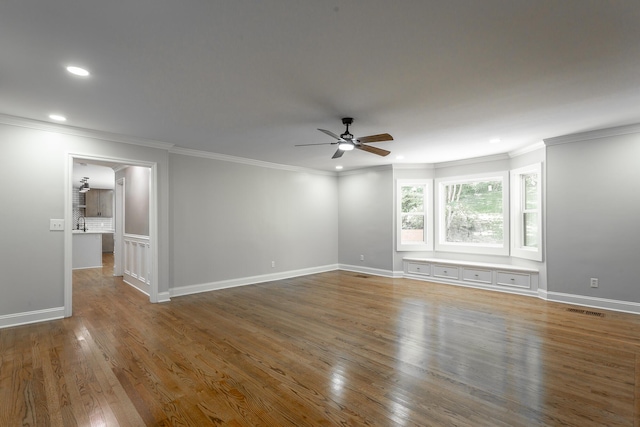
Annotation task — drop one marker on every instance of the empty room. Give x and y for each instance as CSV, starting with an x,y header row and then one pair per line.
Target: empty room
x,y
317,213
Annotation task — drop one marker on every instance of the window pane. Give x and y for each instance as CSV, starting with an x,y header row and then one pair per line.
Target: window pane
x,y
413,199
530,221
530,191
412,228
473,212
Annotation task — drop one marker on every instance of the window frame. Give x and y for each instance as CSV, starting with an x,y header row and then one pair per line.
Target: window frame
x,y
518,249
427,243
473,248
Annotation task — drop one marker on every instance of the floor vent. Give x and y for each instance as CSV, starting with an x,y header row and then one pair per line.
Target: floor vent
x,y
587,312
362,276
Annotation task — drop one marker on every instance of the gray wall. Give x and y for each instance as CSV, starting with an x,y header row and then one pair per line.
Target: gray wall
x,y
593,206
231,220
31,256
136,200
366,218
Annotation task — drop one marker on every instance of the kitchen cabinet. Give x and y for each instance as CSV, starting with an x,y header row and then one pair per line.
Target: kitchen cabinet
x,y
87,251
107,242
99,203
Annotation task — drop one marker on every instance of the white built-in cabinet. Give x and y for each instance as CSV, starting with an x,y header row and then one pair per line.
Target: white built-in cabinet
x,y
502,277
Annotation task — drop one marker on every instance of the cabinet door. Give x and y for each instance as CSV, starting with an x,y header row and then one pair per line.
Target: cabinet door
x,y
92,202
106,203
99,203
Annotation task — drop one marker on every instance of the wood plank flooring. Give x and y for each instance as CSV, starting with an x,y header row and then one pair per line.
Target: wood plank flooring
x,y
335,348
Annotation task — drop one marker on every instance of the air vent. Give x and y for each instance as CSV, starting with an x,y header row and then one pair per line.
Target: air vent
x,y
587,312
362,276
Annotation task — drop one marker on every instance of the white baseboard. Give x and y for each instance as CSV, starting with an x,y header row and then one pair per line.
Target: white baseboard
x,y
164,297
593,302
11,320
136,284
243,281
369,270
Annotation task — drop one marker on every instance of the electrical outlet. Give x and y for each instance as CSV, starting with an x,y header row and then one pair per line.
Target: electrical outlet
x,y
273,264
594,282
361,257
56,224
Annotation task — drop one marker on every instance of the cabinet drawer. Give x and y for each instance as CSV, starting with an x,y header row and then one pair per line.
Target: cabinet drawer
x,y
445,271
514,279
475,275
416,268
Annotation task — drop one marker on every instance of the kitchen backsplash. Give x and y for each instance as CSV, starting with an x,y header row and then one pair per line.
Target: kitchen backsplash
x,y
93,223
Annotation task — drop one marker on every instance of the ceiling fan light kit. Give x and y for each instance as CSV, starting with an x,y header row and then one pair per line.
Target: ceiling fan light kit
x,y
347,142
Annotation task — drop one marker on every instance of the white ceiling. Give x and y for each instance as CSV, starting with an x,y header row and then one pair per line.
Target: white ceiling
x,y
252,79
100,175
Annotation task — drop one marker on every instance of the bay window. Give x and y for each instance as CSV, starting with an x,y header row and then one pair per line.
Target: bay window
x,y
414,215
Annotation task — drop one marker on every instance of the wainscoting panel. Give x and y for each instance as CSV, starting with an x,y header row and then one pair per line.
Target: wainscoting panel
x,y
137,252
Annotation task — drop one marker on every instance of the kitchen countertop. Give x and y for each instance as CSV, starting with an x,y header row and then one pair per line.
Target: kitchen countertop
x,y
93,231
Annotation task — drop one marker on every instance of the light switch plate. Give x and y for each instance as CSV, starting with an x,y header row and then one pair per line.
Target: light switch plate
x,y
56,224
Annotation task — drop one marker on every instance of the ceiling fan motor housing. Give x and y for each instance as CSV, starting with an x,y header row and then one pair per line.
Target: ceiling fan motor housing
x,y
347,135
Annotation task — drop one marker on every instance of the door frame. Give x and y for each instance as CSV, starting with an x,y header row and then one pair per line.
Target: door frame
x,y
118,256
68,217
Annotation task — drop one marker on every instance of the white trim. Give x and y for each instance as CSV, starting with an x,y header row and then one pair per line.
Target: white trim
x,y
472,160
243,281
594,134
164,297
365,169
427,243
83,132
413,166
501,249
242,160
118,256
153,224
594,302
518,250
528,149
17,319
369,270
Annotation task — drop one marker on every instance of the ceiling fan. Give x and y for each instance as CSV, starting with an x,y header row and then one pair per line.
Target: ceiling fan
x,y
347,142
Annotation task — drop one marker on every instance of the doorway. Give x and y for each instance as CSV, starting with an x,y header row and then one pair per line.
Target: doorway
x,y
119,261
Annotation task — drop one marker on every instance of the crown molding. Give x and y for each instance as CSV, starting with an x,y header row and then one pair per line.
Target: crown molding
x,y
594,134
473,160
77,131
242,160
528,149
365,170
420,166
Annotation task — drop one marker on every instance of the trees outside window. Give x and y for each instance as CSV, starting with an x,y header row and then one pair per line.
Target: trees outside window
x,y
526,217
473,214
414,208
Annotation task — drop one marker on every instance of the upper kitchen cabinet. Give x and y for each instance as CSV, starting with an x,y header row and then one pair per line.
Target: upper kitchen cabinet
x,y
99,203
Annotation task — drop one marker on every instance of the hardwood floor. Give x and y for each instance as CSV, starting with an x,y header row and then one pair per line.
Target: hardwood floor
x,y
335,348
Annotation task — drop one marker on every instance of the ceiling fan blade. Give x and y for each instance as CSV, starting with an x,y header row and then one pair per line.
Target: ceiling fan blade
x,y
375,138
338,154
331,134
374,150
321,143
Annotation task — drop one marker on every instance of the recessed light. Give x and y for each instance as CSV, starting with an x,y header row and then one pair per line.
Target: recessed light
x,y
77,71
338,167
399,157
57,117
494,141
